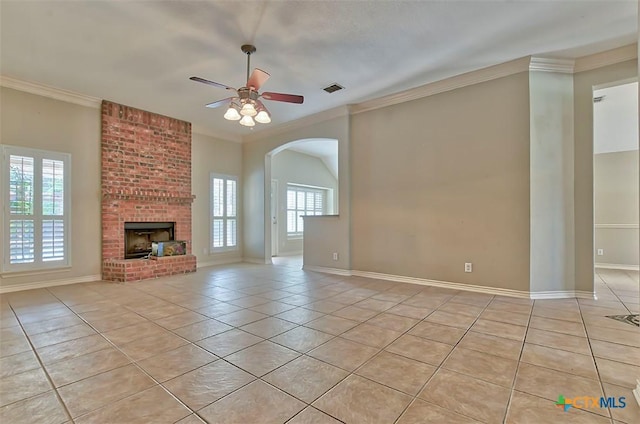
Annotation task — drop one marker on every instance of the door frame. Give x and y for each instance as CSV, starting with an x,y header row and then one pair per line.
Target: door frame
x,y
274,217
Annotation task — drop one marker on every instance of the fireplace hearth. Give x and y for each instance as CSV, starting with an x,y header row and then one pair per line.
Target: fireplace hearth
x,y
139,236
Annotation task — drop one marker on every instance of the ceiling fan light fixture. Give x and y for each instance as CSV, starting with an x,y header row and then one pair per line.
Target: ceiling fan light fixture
x,y
245,107
263,117
247,121
248,109
232,113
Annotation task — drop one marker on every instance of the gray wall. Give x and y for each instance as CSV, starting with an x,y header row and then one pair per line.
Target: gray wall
x,y
444,180
37,122
208,155
616,207
287,167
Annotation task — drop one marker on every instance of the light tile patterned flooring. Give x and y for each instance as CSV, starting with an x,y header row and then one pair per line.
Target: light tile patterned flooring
x,y
274,344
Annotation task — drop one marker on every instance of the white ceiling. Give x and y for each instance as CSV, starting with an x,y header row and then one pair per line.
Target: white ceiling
x,y
324,148
141,53
615,119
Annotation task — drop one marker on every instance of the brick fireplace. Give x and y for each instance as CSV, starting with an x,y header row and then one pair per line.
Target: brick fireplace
x,y
146,178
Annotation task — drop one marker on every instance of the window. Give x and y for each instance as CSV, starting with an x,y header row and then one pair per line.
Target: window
x,y
302,201
224,219
36,195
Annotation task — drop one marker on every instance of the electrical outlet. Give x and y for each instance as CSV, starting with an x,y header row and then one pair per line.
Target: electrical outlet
x,y
600,252
468,267
205,251
335,256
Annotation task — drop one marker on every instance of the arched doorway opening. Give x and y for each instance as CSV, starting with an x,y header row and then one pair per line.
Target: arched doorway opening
x,y
304,181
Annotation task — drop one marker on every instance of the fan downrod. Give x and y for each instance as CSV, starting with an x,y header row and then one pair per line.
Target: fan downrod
x,y
248,49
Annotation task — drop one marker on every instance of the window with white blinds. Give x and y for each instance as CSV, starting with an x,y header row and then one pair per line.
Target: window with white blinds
x,y
36,195
303,201
224,214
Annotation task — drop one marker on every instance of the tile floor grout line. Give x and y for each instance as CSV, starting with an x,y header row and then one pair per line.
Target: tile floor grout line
x,y
307,404
593,358
515,375
313,285
612,291
313,407
493,298
439,367
132,362
42,367
353,372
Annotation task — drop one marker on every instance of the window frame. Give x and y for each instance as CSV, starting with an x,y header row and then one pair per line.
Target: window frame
x,y
38,217
296,235
224,216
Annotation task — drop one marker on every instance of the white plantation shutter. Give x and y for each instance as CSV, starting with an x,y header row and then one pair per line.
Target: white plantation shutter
x,y
22,242
301,201
21,219
218,197
36,196
231,232
218,233
52,210
52,239
224,227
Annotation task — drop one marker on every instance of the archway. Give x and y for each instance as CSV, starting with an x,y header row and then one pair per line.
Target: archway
x,y
301,179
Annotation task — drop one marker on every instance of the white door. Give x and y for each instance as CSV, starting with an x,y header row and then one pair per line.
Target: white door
x,y
274,217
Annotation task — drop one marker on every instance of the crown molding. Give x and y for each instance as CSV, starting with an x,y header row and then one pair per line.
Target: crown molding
x,y
196,129
610,57
448,84
50,92
336,112
545,64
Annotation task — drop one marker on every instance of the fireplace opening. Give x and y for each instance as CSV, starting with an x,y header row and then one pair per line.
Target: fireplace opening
x,y
138,237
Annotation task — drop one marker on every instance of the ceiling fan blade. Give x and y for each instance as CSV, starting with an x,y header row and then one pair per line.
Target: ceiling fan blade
x,y
220,102
257,78
281,97
215,84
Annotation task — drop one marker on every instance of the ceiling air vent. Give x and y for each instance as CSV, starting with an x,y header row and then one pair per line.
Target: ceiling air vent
x,y
333,88
598,99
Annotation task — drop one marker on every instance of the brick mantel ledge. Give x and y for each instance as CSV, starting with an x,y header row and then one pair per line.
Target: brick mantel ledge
x,y
149,195
147,198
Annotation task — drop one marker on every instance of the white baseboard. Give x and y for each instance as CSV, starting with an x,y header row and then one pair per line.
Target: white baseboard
x,y
559,294
443,284
335,271
454,286
51,283
260,261
618,266
221,261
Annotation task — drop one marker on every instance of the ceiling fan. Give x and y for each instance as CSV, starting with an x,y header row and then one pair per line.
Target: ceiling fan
x,y
246,106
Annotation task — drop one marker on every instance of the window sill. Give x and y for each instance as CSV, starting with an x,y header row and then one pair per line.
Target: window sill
x,y
215,250
320,216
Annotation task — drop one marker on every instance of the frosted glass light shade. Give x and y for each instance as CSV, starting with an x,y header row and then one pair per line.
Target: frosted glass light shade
x,y
232,114
248,109
263,117
247,121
